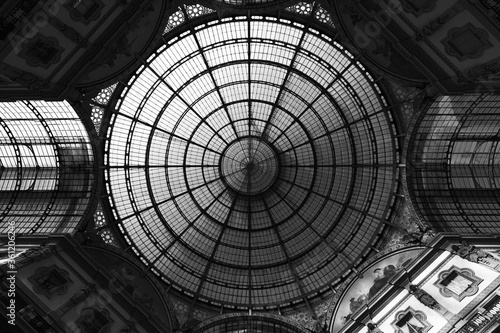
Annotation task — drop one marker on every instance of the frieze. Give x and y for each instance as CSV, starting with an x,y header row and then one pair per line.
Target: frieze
x,y
372,260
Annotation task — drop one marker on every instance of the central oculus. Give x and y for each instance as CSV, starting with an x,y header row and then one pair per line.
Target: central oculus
x,y
249,166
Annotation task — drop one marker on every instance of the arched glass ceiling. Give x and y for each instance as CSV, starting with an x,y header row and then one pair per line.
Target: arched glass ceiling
x,y
46,167
250,162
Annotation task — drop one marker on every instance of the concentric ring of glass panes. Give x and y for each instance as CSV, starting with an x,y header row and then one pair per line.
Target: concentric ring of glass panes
x,y
249,166
317,109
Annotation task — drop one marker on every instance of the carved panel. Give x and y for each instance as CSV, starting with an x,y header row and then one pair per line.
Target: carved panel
x,y
94,320
493,6
41,51
466,42
5,81
17,13
50,281
410,320
417,7
458,283
35,320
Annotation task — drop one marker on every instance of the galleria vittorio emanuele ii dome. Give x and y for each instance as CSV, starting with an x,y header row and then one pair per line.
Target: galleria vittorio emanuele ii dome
x,y
264,166
251,161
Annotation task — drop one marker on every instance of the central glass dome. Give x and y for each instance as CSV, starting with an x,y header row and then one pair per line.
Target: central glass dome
x,y
249,166
251,162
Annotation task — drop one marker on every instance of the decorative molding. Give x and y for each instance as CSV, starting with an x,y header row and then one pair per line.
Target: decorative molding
x,y
437,23
425,298
18,12
415,319
486,71
340,30
485,296
167,302
24,78
35,320
129,327
41,51
94,320
476,254
418,7
33,255
69,32
465,273
136,62
84,11
197,10
474,47
50,281
340,291
493,8
77,298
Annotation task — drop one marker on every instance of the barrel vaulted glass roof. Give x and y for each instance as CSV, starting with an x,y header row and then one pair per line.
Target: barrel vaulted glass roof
x,y
46,173
251,162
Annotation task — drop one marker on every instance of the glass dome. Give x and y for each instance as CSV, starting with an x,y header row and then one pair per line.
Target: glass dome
x,y
251,162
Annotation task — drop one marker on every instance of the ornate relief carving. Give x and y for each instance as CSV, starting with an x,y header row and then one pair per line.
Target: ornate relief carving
x,y
50,281
425,298
94,320
34,255
477,255
151,278
417,7
197,10
466,42
69,32
174,20
458,283
78,297
6,81
410,320
23,78
33,318
336,303
129,327
436,24
18,11
493,7
41,51
484,71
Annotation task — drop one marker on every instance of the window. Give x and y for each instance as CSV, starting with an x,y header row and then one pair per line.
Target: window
x,y
458,283
410,321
